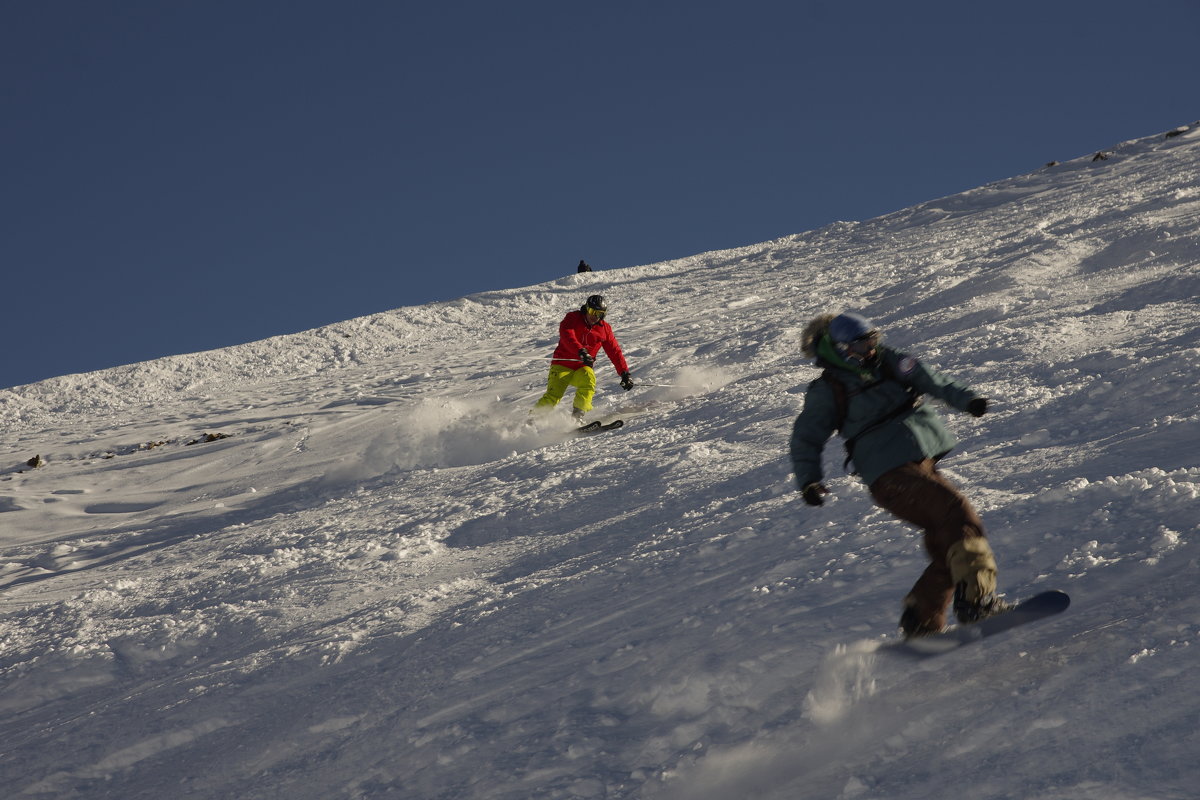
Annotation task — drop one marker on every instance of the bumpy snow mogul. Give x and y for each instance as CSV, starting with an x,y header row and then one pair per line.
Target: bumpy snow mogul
x,y
1042,605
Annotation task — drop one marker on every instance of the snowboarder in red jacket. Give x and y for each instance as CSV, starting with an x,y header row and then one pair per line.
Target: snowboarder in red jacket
x,y
581,334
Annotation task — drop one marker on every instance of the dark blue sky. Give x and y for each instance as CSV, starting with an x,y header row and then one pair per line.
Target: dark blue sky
x,y
180,176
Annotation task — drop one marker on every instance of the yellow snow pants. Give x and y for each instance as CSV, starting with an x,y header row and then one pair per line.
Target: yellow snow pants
x,y
583,379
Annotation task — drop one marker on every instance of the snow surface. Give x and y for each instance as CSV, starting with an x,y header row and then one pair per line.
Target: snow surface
x,y
382,583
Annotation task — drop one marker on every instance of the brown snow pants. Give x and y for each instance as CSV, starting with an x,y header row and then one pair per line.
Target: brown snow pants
x,y
917,493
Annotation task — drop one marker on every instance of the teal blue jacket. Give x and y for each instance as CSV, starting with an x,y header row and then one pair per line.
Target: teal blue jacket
x,y
873,395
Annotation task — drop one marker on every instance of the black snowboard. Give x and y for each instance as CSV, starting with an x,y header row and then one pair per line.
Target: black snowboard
x,y
598,427
1045,604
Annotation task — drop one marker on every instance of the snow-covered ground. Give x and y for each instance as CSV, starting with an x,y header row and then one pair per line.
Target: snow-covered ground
x,y
368,577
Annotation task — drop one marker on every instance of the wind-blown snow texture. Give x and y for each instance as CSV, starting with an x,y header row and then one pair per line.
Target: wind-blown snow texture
x,y
382,583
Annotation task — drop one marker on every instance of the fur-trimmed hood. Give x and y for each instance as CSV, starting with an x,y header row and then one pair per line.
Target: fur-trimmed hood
x,y
813,331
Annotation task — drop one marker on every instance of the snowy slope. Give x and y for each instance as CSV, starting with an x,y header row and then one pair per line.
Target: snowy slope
x,y
376,581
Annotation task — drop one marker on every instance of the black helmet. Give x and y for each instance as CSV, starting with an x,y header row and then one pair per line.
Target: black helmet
x,y
595,304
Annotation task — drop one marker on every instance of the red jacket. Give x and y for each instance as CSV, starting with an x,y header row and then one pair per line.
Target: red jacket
x,y
574,333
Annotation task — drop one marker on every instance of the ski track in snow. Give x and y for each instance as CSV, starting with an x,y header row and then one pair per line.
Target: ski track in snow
x,y
339,564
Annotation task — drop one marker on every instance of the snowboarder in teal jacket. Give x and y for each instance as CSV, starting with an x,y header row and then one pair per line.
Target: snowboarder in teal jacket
x,y
873,396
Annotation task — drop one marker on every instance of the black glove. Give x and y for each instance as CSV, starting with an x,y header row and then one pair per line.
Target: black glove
x,y
626,381
587,358
978,406
814,494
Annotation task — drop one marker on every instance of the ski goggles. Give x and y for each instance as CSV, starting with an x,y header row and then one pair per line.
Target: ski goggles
x,y
862,346
598,313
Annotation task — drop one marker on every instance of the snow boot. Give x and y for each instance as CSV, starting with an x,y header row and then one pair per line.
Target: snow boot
x,y
971,562
911,623
967,610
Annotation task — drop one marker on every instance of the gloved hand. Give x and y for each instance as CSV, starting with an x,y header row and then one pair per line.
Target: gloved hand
x,y
814,494
978,406
587,358
626,381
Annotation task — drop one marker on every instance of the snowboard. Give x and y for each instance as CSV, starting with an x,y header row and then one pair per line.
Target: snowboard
x,y
1040,606
598,427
